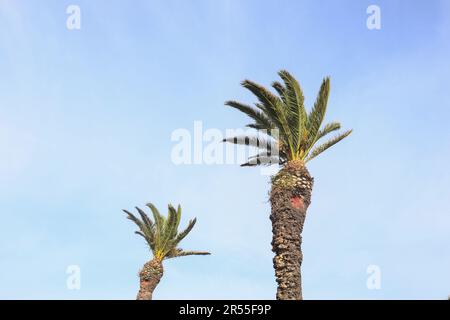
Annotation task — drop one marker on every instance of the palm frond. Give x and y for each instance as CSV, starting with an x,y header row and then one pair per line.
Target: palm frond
x,y
186,231
183,253
260,118
257,141
150,243
178,218
261,159
147,221
328,128
321,148
271,105
133,218
159,219
317,113
141,234
293,89
280,89
172,222
145,230
295,101
256,126
268,101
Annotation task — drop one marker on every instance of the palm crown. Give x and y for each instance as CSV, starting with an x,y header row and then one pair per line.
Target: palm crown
x,y
298,131
162,235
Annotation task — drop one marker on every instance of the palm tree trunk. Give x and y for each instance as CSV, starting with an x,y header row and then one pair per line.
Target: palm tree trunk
x,y
290,197
150,275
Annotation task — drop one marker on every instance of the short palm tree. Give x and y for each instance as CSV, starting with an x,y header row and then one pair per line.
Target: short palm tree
x,y
163,238
294,134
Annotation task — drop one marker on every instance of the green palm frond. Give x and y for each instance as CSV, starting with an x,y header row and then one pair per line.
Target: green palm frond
x,y
271,105
280,89
145,225
268,101
180,236
294,100
293,92
162,235
169,228
159,220
317,113
298,130
178,252
328,128
321,148
182,253
256,115
274,124
145,218
133,218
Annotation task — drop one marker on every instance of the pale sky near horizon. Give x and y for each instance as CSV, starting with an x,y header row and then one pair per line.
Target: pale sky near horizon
x,y
86,118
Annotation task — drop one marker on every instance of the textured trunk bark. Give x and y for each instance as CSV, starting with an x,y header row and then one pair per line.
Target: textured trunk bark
x,y
290,197
150,275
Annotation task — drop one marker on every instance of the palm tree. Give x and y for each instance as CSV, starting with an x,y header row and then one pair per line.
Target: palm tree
x,y
288,135
163,238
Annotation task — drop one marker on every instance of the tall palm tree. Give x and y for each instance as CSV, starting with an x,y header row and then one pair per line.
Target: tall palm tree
x,y
163,238
288,135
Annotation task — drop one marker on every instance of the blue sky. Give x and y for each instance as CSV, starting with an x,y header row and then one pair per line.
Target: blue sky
x,y
86,118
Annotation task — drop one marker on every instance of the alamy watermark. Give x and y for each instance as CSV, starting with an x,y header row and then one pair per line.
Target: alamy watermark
x,y
212,147
374,19
73,281
73,21
374,280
